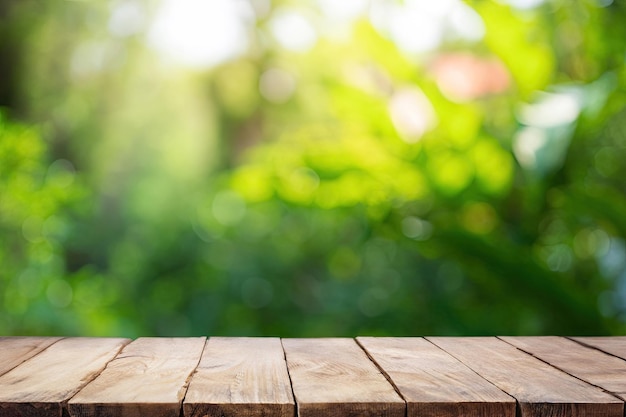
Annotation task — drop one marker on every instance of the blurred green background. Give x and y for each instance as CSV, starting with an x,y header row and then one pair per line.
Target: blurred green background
x,y
312,167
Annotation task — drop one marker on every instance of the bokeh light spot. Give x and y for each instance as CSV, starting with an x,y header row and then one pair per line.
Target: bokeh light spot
x,y
416,228
559,258
277,85
127,18
32,229
61,173
463,77
411,113
59,293
200,33
293,30
591,242
228,207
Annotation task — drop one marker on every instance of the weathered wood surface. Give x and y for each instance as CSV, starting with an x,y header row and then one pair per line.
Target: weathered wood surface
x,y
16,350
335,378
267,377
148,378
41,385
434,383
540,389
240,377
590,365
614,345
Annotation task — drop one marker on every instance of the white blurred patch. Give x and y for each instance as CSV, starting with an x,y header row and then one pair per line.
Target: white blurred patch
x,y
338,17
527,144
342,10
523,4
466,23
550,109
415,31
201,33
411,113
127,18
420,26
293,30
261,7
88,58
541,145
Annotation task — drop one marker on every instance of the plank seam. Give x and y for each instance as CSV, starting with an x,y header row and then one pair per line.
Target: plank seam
x,y
560,369
36,354
181,411
64,403
518,409
385,374
293,394
594,347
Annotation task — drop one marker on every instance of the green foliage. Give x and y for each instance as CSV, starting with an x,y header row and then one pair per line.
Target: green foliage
x,y
34,227
356,187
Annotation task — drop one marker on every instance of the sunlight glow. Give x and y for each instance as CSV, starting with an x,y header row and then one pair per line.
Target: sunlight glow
x,y
127,18
523,4
344,10
293,30
200,33
420,26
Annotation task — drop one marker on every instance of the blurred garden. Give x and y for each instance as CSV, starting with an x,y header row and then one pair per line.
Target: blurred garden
x,y
312,167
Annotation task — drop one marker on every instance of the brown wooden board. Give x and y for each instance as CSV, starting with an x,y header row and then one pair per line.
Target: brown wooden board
x,y
596,367
433,383
335,378
41,385
15,350
540,389
148,378
615,345
240,377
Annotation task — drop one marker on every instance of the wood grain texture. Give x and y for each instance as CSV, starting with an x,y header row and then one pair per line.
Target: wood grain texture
x,y
433,383
335,378
41,385
240,377
15,350
541,390
148,378
615,345
593,366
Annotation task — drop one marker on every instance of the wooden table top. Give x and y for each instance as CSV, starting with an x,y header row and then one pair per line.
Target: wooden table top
x,y
339,377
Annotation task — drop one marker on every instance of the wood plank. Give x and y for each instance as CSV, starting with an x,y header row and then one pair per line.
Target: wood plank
x,y
433,383
593,366
240,377
615,345
148,378
335,378
540,389
16,350
41,385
